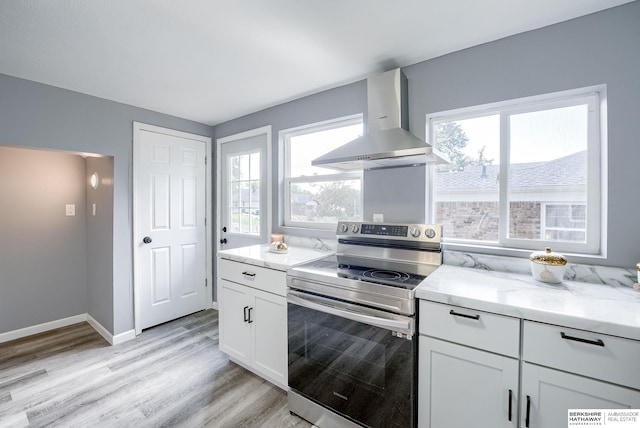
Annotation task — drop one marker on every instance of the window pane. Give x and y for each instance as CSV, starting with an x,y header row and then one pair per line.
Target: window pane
x,y
548,167
466,191
244,190
325,201
305,148
327,195
254,168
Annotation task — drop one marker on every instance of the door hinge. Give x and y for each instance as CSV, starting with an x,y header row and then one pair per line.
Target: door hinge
x,y
206,282
205,221
205,160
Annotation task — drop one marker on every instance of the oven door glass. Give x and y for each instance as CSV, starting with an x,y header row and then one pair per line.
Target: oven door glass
x,y
363,372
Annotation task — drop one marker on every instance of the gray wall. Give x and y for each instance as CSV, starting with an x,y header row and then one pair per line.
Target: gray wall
x,y
99,232
37,115
43,253
602,48
393,193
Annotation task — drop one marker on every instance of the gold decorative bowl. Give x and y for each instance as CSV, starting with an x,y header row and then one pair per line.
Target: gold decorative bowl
x,y
547,266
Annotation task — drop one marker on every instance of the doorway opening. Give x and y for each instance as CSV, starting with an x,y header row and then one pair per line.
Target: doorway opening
x,y
56,240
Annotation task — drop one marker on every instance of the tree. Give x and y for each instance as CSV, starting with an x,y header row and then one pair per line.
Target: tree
x,y
451,140
481,159
338,200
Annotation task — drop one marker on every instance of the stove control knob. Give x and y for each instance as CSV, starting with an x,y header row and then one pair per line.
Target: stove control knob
x,y
415,232
344,228
430,233
354,228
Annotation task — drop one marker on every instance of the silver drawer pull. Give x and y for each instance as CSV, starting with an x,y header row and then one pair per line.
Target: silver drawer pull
x,y
249,275
597,342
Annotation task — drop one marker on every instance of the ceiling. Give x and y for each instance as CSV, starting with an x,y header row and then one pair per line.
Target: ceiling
x,y
214,60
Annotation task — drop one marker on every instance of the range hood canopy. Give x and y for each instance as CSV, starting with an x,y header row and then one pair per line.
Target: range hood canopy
x,y
388,143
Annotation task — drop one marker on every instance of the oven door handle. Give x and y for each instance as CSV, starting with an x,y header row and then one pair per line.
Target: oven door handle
x,y
332,307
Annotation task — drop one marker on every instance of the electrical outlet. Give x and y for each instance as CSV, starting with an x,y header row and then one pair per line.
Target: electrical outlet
x,y
70,210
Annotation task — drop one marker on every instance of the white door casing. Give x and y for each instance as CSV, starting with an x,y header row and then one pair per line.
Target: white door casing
x,y
170,202
256,142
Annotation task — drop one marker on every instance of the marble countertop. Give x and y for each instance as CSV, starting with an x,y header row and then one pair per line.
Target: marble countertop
x,y
259,255
605,309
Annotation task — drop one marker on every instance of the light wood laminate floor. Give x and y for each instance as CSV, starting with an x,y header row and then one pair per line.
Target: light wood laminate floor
x,y
171,375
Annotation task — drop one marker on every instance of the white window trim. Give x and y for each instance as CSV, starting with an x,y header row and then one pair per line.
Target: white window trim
x,y
596,245
284,137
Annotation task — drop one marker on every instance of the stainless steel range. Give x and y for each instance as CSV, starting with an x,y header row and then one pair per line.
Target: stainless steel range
x,y
352,326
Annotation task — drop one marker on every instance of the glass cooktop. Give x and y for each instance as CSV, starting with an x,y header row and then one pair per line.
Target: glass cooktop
x,y
380,276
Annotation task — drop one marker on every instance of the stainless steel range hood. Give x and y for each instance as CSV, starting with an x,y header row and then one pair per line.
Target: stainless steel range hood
x,y
388,143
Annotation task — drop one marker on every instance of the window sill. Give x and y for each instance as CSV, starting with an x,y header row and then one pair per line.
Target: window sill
x,y
306,232
595,259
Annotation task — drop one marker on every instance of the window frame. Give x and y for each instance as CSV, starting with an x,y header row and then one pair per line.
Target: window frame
x,y
285,137
595,98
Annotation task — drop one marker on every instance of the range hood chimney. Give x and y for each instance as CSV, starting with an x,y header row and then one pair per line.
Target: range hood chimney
x,y
387,143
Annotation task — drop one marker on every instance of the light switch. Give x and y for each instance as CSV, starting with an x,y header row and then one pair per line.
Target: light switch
x,y
70,210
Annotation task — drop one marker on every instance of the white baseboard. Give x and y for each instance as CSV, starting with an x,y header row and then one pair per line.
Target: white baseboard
x,y
35,329
40,328
100,329
123,337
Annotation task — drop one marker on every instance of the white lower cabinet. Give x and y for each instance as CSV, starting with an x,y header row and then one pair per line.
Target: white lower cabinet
x,y
253,323
547,394
566,369
473,381
465,387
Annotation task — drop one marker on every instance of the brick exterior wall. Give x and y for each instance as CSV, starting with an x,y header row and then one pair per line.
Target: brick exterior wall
x,y
525,217
479,220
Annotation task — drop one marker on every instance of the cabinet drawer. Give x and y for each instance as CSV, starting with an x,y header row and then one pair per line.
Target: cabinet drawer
x,y
272,281
609,358
482,330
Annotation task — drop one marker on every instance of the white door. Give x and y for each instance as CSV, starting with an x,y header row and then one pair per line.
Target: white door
x,y
234,325
460,387
243,201
169,224
548,394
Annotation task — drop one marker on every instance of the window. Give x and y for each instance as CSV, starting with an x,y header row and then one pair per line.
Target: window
x,y
244,193
319,197
522,173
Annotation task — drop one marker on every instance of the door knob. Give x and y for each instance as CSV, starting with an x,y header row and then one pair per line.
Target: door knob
x,y
223,241
147,240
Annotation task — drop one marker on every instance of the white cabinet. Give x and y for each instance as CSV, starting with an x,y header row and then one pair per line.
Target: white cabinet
x,y
547,394
253,322
473,381
465,387
470,364
574,369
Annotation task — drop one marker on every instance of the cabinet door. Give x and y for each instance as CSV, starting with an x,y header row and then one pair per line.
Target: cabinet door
x,y
549,394
269,316
460,387
234,330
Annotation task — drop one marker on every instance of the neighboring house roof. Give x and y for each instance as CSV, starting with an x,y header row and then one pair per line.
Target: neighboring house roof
x,y
252,193
567,171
